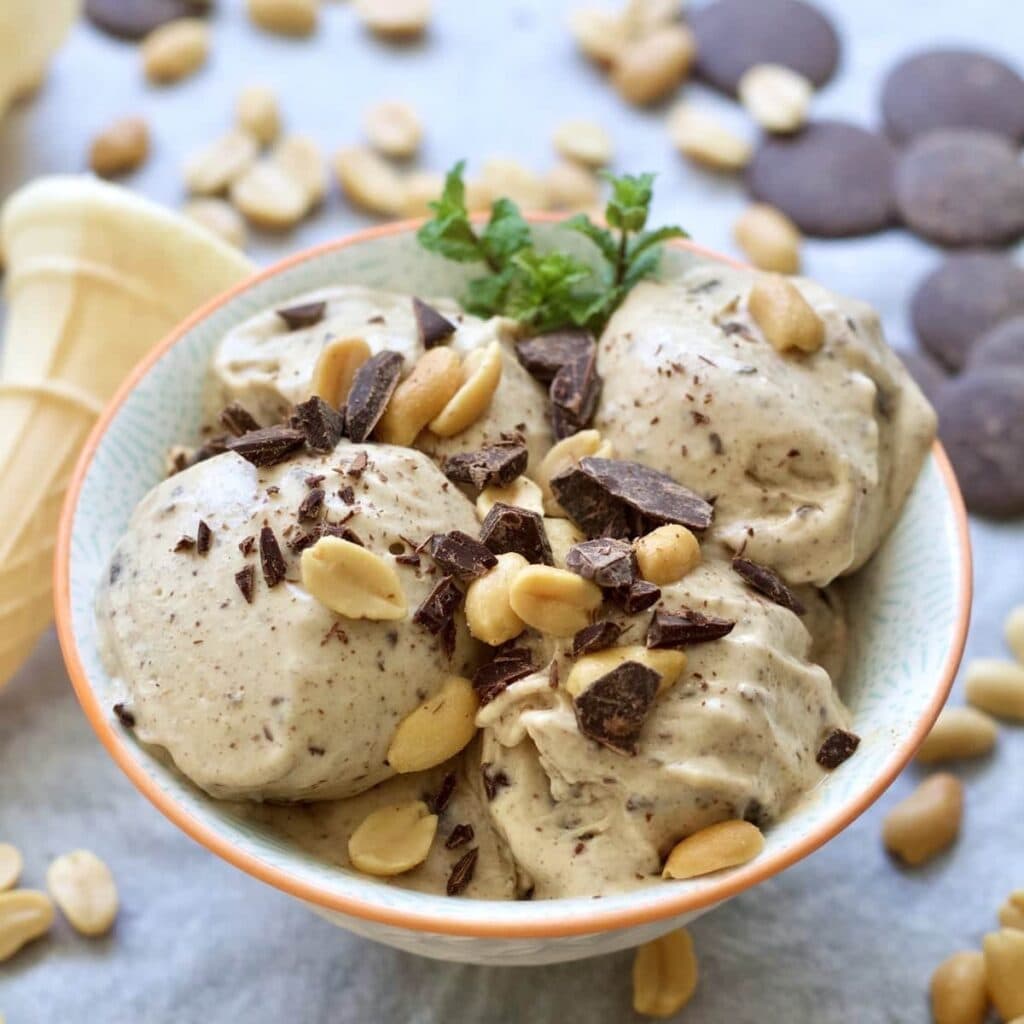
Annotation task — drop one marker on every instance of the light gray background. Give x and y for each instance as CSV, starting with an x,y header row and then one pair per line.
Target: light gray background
x,y
843,937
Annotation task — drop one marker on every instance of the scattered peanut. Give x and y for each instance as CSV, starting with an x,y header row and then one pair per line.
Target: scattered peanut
x,y
598,33
553,601
509,178
642,16
522,492
489,613
1014,632
564,454
997,687
958,732
286,17
669,664
958,991
25,915
83,887
352,581
395,19
10,866
785,317
393,129
664,974
571,187
667,554
121,147
481,374
648,68
584,142
393,839
257,113
776,97
1004,967
336,368
769,239
213,168
220,217
300,158
269,198
420,397
420,189
562,535
703,138
1011,913
722,845
175,50
369,182
437,730
927,821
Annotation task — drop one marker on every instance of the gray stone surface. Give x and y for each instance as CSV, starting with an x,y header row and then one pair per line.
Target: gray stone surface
x,y
844,936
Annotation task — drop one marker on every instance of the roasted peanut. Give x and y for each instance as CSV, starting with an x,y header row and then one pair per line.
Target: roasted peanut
x,y
489,613
583,142
927,821
669,664
368,181
958,732
352,581
437,730
553,601
393,839
175,50
220,217
83,887
25,914
420,397
598,33
269,197
286,17
667,554
1014,632
664,975
393,129
785,317
769,239
258,114
120,148
336,368
722,845
420,189
775,96
481,374
1011,913
562,535
213,168
1004,967
522,492
10,866
996,687
301,159
958,991
395,19
564,454
703,138
572,187
648,68
504,177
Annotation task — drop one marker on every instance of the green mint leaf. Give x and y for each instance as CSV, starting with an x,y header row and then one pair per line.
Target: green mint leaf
x,y
601,237
646,239
506,233
630,201
449,232
485,296
542,288
644,265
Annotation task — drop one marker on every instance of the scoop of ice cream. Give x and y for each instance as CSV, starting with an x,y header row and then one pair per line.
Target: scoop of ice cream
x,y
735,737
281,698
810,457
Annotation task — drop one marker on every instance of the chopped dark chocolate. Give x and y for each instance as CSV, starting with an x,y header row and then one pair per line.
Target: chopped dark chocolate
x,y
214,446
432,328
246,580
462,873
509,664
312,505
358,465
204,538
678,629
596,637
613,709
438,801
125,716
305,315
592,508
494,779
459,836
271,559
457,554
238,420
606,561
493,465
574,393
185,543
372,388
268,446
246,545
544,355
637,597
438,606
322,426
510,528
838,746
762,579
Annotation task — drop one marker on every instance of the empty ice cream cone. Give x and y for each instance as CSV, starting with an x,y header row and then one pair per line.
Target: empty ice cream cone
x,y
95,277
30,32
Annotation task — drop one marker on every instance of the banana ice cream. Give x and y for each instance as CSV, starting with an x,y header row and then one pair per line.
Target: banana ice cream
x,y
507,616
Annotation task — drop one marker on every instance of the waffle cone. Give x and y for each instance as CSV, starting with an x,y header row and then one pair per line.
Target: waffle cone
x,y
30,32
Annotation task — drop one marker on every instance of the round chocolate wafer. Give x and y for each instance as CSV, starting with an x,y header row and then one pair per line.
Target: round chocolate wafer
x,y
833,179
961,187
133,19
1002,346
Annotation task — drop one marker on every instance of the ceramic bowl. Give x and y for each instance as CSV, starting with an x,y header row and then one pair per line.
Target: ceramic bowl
x,y
909,611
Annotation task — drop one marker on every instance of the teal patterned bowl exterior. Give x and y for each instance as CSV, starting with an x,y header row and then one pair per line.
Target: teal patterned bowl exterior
x,y
908,622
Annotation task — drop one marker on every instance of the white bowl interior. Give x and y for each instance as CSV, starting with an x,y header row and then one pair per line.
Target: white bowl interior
x,y
904,605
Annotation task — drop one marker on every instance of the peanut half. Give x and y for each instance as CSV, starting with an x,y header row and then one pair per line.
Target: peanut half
x,y
554,601
121,147
522,492
175,50
927,821
1004,966
481,374
722,845
10,866
427,389
583,142
257,113
213,168
996,687
769,239
393,839
83,887
1014,632
336,368
564,454
220,217
775,96
646,69
704,139
785,317
437,730
669,664
395,19
352,581
1011,913
598,33
958,732
489,613
667,554
269,198
285,17
25,914
572,187
562,535
368,181
393,129
958,991
664,974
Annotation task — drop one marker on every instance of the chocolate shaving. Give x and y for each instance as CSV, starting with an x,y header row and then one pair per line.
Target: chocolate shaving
x,y
838,746
438,801
678,629
238,420
459,836
246,580
204,538
185,543
508,665
462,873
637,597
596,637
271,559
305,315
574,393
493,780
544,355
358,465
372,388
613,709
606,561
125,716
268,446
438,606
768,583
494,465
457,554
246,545
449,638
322,426
432,328
510,528
312,505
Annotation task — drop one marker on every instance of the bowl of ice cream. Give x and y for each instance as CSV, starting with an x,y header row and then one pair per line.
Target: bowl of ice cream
x,y
268,630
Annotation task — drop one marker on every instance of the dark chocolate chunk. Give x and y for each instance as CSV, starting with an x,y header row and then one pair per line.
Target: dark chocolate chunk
x,y
322,426
312,505
637,597
438,801
124,715
204,538
509,664
544,355
215,446
493,465
459,836
494,779
592,508
358,465
462,556
596,637
185,543
768,583
134,19
606,561
613,709
238,420
574,393
838,746
462,873
372,388
305,315
432,328
246,545
246,580
438,606
268,446
678,629
510,528
271,559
